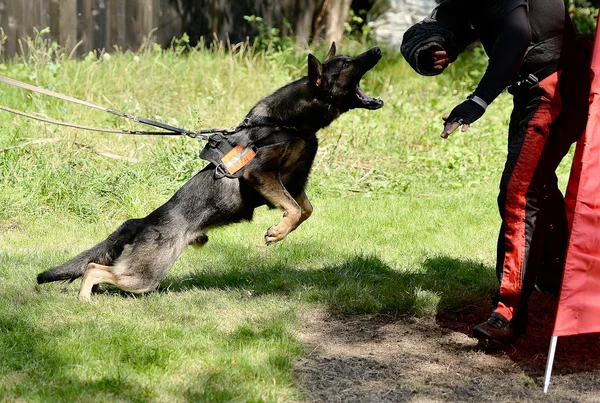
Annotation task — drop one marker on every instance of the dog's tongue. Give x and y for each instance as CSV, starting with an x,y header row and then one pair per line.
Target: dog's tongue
x,y
367,101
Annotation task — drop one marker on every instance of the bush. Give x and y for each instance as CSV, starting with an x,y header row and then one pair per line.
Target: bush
x,y
584,14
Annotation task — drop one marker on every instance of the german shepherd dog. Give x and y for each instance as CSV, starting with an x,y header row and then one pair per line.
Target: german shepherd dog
x,y
139,254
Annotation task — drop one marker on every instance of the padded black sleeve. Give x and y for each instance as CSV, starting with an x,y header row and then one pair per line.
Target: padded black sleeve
x,y
507,54
446,28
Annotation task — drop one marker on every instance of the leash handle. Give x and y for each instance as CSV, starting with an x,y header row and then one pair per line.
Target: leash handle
x,y
44,91
149,122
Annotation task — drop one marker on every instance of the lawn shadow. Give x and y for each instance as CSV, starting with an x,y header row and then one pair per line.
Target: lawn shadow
x,y
355,284
457,292
32,367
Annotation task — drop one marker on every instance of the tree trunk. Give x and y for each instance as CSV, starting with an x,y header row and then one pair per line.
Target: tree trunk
x,y
309,19
338,12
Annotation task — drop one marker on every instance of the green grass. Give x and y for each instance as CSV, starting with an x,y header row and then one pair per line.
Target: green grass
x,y
405,224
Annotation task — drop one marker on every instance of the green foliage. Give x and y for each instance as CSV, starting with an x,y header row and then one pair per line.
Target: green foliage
x,y
179,45
584,15
356,27
269,37
42,51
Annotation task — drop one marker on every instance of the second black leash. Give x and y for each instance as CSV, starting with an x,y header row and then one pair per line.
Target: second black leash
x,y
169,130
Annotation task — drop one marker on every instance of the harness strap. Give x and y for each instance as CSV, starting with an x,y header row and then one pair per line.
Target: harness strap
x,y
280,136
230,159
524,83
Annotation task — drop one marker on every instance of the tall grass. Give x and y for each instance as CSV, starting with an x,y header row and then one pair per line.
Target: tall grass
x,y
404,224
385,152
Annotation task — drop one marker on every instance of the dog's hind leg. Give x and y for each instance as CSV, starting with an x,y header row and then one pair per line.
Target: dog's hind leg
x,y
95,274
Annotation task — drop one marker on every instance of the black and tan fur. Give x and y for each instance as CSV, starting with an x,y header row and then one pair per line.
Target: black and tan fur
x,y
138,255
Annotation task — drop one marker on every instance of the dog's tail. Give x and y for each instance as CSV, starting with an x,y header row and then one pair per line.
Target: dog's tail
x,y
70,270
106,252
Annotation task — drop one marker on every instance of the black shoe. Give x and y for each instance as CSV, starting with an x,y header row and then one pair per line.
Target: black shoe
x,y
497,329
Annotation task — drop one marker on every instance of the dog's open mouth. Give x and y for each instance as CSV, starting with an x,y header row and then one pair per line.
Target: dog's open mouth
x,y
368,60
367,101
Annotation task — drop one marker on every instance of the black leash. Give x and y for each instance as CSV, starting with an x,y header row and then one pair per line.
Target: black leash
x,y
228,158
169,130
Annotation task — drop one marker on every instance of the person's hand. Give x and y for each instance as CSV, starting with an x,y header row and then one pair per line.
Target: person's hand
x,y
462,115
450,128
440,60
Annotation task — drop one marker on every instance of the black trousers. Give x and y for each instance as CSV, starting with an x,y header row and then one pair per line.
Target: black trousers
x,y
547,118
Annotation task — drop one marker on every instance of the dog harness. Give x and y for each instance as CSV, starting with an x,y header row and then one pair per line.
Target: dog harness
x,y
230,158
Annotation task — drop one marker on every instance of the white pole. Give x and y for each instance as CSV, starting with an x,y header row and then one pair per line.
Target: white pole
x,y
550,362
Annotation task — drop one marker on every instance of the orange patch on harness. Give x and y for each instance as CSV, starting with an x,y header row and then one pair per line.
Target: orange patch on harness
x,y
237,158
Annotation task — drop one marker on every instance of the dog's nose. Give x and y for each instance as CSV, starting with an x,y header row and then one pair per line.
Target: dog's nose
x,y
376,50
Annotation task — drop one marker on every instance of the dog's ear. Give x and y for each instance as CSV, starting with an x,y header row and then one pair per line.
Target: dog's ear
x,y
331,52
316,74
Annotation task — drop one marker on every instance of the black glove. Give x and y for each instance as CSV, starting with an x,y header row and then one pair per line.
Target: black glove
x,y
465,113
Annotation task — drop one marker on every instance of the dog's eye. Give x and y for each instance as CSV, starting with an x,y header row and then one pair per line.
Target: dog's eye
x,y
345,65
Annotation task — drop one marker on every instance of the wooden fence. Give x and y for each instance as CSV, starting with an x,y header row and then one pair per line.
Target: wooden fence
x,y
88,24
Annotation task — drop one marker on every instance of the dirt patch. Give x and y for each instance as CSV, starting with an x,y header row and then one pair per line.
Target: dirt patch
x,y
386,359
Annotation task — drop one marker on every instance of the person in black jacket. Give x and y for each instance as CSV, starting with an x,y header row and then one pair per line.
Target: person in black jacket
x,y
532,51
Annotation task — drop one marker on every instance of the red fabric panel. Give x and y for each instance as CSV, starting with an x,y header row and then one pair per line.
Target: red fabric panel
x,y
579,302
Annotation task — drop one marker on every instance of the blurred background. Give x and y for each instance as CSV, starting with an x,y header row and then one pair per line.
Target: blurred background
x,y
81,26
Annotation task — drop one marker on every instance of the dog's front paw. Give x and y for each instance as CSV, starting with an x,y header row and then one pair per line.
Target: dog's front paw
x,y
85,297
275,234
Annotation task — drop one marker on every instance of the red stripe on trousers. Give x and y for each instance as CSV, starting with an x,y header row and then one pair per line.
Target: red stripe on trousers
x,y
538,131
